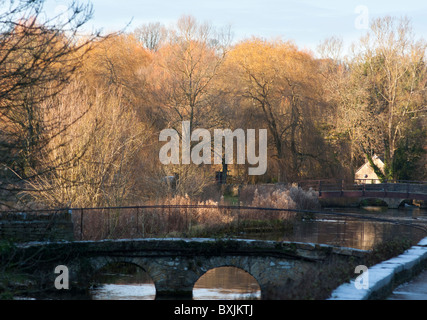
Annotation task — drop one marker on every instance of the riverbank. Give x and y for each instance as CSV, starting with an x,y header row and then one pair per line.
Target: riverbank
x,y
385,276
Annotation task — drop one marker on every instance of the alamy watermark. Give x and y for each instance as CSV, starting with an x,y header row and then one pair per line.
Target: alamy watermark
x,y
62,281
202,151
362,281
362,20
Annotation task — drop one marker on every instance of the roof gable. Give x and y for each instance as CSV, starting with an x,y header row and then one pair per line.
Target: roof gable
x,y
377,160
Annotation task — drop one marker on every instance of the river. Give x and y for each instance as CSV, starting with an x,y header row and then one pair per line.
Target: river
x,y
228,283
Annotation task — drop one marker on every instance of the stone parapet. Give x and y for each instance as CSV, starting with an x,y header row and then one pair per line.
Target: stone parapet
x,y
36,226
385,276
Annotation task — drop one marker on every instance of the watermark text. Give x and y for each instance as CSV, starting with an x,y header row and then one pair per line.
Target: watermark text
x,y
246,148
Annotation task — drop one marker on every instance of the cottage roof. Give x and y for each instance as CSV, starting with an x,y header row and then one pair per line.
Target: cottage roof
x,y
374,158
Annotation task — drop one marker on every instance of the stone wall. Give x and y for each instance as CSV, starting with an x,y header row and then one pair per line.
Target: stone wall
x,y
36,226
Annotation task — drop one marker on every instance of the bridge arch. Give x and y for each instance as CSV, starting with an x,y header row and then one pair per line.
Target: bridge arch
x,y
178,275
233,278
100,262
373,201
121,273
111,262
391,203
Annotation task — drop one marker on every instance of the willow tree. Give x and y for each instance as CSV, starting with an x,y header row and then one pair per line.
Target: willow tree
x,y
281,83
107,131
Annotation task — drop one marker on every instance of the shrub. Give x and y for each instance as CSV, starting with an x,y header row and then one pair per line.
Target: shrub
x,y
277,199
280,196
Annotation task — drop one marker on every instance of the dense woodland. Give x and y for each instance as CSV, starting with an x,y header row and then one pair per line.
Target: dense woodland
x,y
80,114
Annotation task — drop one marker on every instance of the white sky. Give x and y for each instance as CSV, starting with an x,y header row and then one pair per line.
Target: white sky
x,y
306,22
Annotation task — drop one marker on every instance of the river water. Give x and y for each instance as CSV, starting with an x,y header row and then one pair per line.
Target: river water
x,y
229,283
225,283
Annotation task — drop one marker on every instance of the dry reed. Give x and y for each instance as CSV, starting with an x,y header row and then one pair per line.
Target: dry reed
x,y
189,217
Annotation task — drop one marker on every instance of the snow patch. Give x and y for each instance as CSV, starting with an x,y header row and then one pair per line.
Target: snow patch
x,y
382,274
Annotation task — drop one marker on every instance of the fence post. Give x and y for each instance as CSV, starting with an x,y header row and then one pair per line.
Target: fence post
x,y
144,216
238,216
320,188
81,224
137,221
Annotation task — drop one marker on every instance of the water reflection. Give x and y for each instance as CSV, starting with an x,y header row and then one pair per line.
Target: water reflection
x,y
352,232
123,281
363,234
226,283
124,292
347,233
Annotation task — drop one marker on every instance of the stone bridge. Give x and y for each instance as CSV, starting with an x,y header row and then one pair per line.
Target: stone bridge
x,y
338,192
176,264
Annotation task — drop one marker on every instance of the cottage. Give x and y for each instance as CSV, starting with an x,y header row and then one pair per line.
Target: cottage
x,y
366,174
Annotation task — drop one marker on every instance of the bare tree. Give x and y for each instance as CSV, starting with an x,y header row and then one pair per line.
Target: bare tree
x,y
183,86
152,35
183,81
38,58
